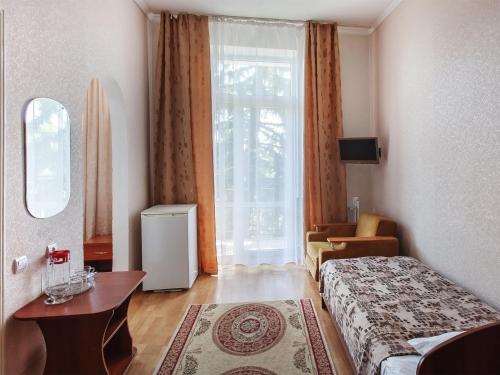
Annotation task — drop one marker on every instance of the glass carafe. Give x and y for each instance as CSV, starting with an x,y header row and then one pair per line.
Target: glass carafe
x,y
57,283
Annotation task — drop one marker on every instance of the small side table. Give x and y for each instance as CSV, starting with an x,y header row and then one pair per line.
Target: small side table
x,y
98,253
89,334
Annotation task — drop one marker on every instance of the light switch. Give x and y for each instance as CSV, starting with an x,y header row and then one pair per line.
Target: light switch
x,y
20,264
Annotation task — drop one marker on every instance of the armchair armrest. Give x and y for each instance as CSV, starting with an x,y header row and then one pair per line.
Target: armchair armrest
x,y
336,229
354,247
316,236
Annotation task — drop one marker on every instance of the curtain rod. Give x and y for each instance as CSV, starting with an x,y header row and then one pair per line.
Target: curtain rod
x,y
253,19
260,20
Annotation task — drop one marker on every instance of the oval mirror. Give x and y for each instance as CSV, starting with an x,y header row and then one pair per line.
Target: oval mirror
x,y
47,157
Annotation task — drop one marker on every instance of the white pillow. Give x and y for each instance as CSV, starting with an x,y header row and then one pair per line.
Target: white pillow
x,y
400,365
424,345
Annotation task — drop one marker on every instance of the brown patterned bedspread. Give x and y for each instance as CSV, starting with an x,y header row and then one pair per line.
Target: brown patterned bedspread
x,y
379,303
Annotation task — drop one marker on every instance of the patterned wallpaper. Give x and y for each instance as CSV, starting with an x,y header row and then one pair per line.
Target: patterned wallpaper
x,y
53,50
41,60
438,69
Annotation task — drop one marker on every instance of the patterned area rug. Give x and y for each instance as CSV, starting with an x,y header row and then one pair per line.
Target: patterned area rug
x,y
264,338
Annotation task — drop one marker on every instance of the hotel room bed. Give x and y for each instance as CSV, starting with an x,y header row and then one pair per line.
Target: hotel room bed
x,y
380,303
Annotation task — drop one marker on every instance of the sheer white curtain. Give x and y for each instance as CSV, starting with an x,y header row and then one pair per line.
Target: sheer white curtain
x,y
257,97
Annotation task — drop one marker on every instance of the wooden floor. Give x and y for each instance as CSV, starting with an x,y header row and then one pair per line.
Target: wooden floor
x,y
154,317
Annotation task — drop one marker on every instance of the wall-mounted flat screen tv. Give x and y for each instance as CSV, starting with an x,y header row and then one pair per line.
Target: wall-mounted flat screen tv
x,y
359,150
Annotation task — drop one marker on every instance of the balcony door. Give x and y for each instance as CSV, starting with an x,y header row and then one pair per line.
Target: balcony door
x,y
257,93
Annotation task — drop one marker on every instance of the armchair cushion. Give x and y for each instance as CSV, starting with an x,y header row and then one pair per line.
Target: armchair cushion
x,y
370,225
367,225
313,248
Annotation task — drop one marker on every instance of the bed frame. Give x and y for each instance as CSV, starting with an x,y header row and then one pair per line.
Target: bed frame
x,y
473,352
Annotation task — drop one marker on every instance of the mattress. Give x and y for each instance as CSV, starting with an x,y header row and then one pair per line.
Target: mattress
x,y
380,303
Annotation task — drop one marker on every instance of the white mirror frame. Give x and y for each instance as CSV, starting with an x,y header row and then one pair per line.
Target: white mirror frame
x,y
48,157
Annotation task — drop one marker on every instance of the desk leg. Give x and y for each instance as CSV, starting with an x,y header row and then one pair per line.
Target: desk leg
x,y
74,345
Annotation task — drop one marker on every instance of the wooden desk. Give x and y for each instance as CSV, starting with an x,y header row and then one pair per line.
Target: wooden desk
x,y
88,334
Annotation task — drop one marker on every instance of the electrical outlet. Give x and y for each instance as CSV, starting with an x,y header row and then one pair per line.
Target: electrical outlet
x,y
20,264
50,248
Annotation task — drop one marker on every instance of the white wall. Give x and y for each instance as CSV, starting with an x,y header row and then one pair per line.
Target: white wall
x,y
438,110
355,81
53,48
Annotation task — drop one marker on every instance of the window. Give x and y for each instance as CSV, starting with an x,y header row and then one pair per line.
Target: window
x,y
257,94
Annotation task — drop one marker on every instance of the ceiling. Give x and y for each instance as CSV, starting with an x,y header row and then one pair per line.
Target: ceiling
x,y
361,13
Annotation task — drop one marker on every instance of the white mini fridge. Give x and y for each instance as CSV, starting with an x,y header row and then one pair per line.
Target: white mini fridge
x,y
169,246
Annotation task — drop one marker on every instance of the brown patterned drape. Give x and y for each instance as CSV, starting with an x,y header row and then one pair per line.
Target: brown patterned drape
x,y
325,197
183,159
97,168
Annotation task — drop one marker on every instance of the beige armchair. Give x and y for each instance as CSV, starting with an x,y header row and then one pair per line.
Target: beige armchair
x,y
374,235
